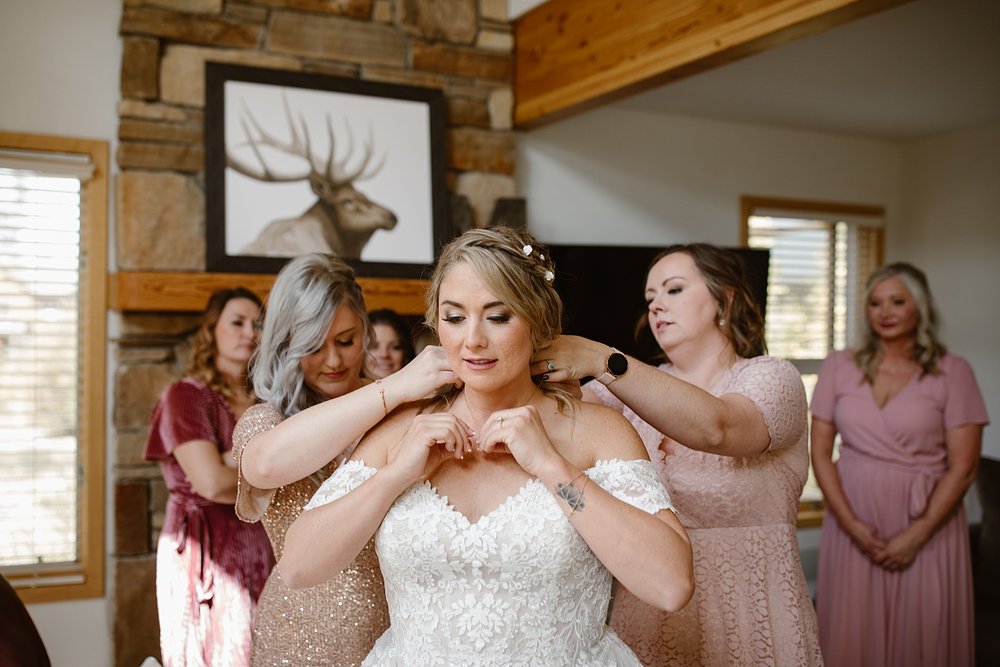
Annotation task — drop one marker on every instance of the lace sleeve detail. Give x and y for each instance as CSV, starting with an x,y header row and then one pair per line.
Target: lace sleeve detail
x,y
634,482
345,479
251,502
775,387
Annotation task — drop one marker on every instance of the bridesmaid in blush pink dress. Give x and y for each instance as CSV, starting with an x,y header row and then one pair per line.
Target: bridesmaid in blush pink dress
x,y
725,427
895,583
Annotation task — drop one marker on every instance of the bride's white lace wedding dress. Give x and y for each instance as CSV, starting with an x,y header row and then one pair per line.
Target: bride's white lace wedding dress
x,y
517,587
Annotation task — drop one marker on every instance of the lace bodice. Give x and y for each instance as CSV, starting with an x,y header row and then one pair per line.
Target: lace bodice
x,y
517,587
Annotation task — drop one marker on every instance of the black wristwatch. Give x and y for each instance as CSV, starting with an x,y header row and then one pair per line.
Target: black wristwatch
x,y
615,367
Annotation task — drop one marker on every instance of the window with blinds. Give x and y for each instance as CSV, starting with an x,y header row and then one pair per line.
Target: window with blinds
x,y
820,256
50,295
39,355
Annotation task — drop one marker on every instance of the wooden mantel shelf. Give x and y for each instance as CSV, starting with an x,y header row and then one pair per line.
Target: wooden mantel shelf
x,y
164,291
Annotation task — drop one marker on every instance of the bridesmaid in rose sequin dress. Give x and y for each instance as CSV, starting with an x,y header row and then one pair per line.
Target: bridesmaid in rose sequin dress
x,y
725,427
315,405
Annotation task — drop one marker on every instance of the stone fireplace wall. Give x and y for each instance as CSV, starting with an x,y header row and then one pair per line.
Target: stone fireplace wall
x,y
461,47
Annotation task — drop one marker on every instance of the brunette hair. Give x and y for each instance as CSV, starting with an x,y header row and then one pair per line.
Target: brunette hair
x,y
391,318
204,349
927,347
296,319
725,276
517,269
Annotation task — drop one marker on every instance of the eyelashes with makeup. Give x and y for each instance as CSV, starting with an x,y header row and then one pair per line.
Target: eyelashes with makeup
x,y
673,291
458,319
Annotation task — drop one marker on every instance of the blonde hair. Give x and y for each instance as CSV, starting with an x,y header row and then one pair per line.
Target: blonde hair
x,y
927,347
518,270
296,319
203,346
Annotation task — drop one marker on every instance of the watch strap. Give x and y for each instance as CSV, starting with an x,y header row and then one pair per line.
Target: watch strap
x,y
607,377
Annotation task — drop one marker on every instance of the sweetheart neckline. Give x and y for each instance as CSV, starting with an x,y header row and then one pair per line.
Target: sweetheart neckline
x,y
446,502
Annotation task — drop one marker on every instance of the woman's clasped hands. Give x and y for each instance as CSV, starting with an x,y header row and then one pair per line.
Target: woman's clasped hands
x,y
434,438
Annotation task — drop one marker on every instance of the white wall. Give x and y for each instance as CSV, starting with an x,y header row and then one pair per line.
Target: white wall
x,y
627,177
951,209
60,73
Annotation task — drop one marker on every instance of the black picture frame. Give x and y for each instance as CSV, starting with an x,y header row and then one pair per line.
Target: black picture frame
x,y
259,215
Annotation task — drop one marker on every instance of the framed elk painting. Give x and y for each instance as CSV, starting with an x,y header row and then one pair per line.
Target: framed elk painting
x,y
298,163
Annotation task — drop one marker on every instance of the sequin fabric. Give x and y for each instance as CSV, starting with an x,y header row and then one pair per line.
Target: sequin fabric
x,y
335,623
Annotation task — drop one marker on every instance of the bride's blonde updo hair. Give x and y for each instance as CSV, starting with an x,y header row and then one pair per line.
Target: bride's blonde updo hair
x,y
518,270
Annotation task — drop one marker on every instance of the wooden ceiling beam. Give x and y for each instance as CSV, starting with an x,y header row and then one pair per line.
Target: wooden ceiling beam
x,y
573,55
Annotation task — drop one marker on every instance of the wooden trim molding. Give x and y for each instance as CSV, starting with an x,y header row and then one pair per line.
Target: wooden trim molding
x,y
573,55
85,578
163,291
811,513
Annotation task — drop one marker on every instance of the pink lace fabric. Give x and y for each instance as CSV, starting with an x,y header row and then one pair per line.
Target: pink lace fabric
x,y
751,604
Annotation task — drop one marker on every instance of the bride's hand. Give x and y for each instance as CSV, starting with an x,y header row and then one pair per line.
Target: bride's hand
x,y
430,440
519,432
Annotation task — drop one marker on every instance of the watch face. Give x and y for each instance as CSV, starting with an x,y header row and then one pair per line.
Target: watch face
x,y
617,364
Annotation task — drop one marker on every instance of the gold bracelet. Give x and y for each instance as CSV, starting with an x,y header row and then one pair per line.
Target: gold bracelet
x,y
381,393
565,490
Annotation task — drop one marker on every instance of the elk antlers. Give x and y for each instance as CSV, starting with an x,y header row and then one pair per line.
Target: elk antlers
x,y
299,145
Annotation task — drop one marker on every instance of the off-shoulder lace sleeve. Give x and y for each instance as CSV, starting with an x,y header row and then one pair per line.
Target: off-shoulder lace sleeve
x,y
775,387
634,482
251,502
345,479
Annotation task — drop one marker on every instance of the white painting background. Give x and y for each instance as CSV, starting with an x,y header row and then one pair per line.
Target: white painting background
x,y
400,134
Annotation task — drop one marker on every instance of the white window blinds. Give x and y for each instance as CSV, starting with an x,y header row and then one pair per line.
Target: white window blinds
x,y
40,305
816,276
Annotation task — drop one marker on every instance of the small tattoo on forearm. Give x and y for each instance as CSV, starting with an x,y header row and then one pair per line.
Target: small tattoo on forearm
x,y
572,495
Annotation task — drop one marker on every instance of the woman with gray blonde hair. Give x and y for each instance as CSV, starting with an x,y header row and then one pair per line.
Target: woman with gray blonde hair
x,y
895,582
502,509
315,404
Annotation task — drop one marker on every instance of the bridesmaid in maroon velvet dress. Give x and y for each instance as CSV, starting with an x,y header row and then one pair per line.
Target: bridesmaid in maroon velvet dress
x,y
895,582
210,566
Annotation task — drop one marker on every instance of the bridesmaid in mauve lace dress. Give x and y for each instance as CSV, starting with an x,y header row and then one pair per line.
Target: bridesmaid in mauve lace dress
x,y
210,566
725,427
895,574
308,367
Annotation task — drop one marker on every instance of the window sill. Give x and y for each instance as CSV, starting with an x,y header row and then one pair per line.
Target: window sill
x,y
811,513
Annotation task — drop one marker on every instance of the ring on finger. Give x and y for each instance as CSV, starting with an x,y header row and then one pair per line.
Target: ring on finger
x,y
500,420
551,366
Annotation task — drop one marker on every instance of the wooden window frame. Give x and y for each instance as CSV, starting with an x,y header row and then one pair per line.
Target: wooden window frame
x,y
811,512
85,578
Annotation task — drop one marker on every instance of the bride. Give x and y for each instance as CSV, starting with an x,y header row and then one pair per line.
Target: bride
x,y
500,511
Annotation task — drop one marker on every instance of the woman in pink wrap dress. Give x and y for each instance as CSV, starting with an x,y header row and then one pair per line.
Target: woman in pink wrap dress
x,y
895,582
